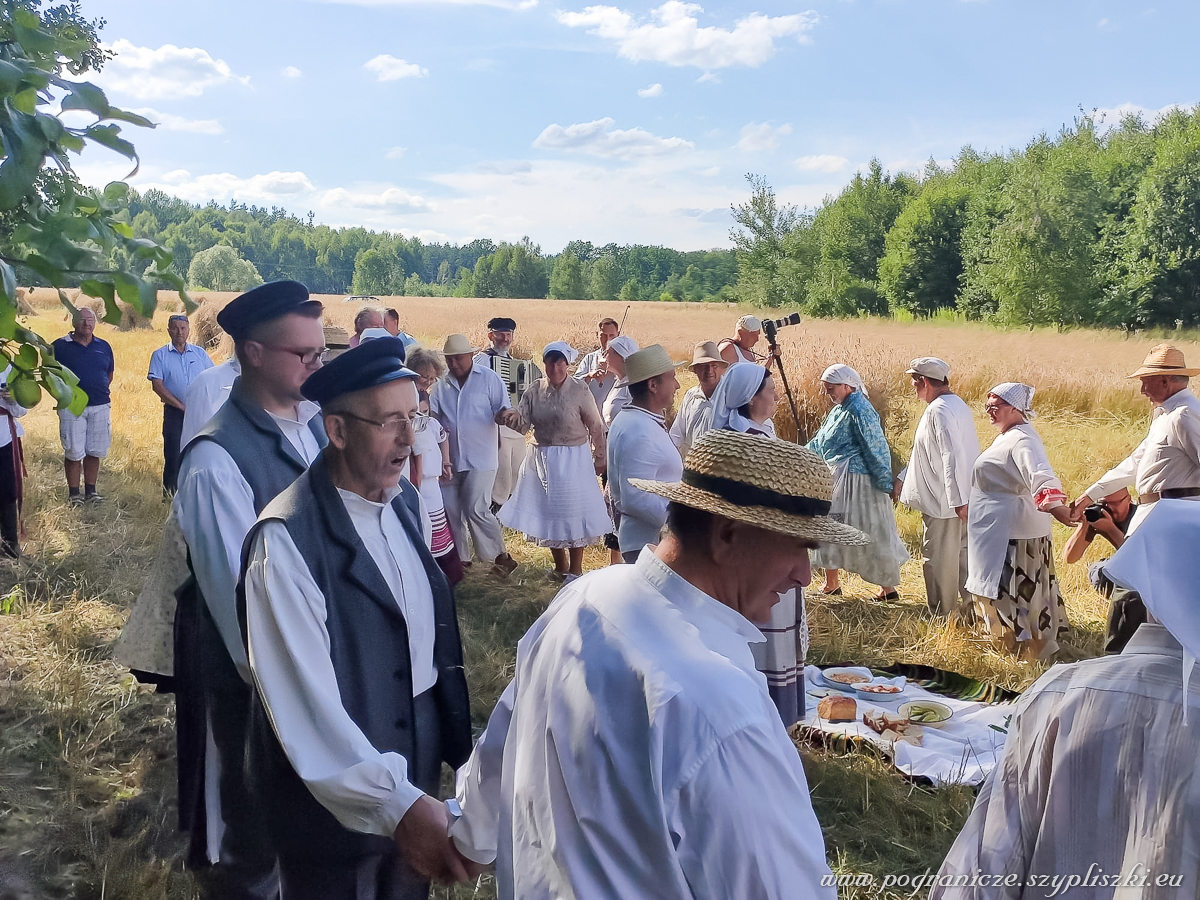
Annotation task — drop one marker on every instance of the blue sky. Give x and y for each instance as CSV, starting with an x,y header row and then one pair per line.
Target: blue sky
x,y
631,122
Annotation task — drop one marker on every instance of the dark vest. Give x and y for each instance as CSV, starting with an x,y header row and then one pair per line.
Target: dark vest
x,y
368,645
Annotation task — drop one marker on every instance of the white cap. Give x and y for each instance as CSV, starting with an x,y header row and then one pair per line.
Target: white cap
x,y
370,334
623,345
750,323
930,367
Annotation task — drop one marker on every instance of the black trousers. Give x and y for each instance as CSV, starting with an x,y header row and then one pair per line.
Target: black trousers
x,y
171,432
9,531
384,876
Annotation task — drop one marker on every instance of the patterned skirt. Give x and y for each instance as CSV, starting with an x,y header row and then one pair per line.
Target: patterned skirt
x,y
1030,605
870,511
781,656
443,537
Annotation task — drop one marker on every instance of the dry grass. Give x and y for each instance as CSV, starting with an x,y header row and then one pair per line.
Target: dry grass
x,y
86,755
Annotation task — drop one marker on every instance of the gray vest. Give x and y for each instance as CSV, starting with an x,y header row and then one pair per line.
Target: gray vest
x,y
368,646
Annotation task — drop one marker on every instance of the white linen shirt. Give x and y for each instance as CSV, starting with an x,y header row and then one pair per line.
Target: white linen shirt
x,y
1169,457
205,395
938,477
367,791
468,413
600,387
689,420
639,447
1100,777
617,399
215,507
637,753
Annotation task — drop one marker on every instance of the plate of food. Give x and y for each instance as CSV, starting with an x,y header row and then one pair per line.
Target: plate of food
x,y
926,712
845,677
879,691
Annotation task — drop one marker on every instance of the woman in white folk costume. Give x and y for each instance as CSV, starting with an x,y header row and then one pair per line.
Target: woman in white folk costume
x,y
745,401
557,500
431,465
852,443
1010,556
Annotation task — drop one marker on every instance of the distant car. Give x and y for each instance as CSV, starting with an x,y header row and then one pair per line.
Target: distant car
x,y
361,298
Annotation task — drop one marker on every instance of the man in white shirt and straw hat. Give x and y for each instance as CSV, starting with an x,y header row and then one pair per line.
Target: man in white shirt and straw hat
x,y
640,447
1098,785
466,401
937,483
1167,463
637,752
708,367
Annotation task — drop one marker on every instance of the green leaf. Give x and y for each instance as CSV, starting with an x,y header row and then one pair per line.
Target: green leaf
x,y
95,288
8,284
10,76
44,268
79,401
116,192
124,115
62,392
85,95
124,229
109,136
26,359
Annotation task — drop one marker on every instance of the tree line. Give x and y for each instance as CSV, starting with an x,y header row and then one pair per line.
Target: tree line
x,y
1098,226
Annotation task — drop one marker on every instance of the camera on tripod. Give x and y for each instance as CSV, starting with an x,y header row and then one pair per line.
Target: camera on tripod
x,y
770,326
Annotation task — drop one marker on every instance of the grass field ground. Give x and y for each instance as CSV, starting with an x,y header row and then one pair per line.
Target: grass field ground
x,y
86,754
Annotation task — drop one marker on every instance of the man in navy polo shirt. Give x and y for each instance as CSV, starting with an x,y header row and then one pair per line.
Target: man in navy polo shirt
x,y
86,437
172,368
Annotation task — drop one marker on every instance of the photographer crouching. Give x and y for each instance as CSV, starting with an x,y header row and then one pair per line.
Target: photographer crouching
x,y
1110,519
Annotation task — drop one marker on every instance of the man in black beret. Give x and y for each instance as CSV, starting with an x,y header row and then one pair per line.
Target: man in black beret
x,y
518,375
354,647
252,448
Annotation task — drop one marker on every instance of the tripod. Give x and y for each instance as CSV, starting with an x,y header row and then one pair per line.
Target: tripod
x,y
769,329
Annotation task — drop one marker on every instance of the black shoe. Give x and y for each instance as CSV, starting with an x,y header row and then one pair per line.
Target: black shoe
x,y
94,498
10,550
75,498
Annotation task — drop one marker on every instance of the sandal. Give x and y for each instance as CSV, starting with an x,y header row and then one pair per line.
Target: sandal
x,y
836,592
890,595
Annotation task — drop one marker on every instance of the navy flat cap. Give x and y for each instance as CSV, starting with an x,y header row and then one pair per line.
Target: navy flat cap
x,y
502,323
368,365
262,304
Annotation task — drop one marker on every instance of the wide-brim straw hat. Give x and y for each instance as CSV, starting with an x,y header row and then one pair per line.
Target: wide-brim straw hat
x,y
648,362
1163,359
764,482
457,345
706,352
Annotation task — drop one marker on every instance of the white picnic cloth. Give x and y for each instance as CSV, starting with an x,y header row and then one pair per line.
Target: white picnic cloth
x,y
962,750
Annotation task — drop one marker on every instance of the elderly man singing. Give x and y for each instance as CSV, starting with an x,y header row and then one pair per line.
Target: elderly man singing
x,y
637,752
354,647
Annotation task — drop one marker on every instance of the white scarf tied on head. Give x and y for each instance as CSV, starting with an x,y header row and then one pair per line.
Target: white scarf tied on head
x,y
842,374
736,388
561,347
1017,395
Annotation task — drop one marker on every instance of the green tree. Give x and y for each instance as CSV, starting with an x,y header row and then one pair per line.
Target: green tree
x,y
220,268
758,238
378,271
51,227
566,281
606,279
921,268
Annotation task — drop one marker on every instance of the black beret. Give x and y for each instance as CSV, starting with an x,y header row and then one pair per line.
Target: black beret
x,y
368,365
502,323
262,304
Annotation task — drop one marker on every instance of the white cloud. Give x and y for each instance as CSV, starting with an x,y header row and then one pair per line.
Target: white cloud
x,y
711,171
396,153
822,163
599,138
501,4
224,186
675,36
757,138
391,198
167,73
655,90
291,72
388,68
1102,23
170,122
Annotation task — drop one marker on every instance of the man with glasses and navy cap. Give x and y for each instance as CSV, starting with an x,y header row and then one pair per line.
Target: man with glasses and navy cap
x,y
354,647
173,367
257,444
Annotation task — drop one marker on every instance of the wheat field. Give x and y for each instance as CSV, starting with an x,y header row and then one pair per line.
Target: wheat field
x,y
86,754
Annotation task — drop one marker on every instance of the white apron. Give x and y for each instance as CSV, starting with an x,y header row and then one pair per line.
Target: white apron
x,y
990,521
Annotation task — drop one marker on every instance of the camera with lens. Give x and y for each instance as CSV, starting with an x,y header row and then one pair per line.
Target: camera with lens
x,y
1095,512
770,326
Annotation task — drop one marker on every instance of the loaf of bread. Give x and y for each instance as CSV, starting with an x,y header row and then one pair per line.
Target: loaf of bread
x,y
837,709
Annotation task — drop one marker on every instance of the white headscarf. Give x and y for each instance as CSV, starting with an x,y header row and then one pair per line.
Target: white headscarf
x,y
1017,395
561,347
1159,561
624,345
370,334
736,388
840,374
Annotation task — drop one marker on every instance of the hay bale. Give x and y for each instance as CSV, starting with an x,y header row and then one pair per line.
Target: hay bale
x,y
205,330
131,320
23,306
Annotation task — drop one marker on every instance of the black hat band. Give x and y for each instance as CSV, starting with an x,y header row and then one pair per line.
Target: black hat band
x,y
742,494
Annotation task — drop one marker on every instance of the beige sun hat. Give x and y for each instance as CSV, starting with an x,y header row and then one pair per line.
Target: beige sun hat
x,y
648,362
771,484
457,345
1163,359
706,352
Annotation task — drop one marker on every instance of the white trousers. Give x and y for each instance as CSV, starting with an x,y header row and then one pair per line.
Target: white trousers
x,y
468,499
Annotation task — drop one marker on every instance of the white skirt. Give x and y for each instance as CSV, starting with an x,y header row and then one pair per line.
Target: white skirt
x,y
869,510
557,501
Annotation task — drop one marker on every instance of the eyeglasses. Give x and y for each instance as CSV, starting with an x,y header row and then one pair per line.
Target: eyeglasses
x,y
307,357
395,425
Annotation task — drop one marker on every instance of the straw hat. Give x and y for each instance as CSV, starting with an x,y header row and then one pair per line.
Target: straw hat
x,y
1164,359
771,484
648,362
457,345
706,352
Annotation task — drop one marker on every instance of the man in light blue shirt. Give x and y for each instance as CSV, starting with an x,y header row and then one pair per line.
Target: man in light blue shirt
x,y
172,369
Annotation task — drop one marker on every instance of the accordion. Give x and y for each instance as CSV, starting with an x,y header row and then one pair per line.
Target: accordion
x,y
518,375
